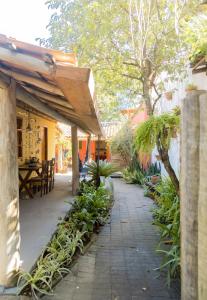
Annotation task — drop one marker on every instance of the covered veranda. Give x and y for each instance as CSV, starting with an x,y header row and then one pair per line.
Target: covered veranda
x,y
39,217
53,86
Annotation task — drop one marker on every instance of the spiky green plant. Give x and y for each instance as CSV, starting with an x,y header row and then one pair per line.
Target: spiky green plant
x,y
135,176
100,168
167,218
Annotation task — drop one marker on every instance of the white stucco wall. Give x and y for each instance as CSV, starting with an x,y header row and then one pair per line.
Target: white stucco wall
x,y
178,88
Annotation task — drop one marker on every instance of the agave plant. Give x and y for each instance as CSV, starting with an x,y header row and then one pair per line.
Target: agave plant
x,y
103,168
36,283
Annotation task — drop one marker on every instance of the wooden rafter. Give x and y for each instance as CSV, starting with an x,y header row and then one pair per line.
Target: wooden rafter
x,y
49,97
32,80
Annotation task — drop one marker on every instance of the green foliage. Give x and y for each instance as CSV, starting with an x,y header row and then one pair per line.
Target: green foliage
x,y
104,168
153,169
124,57
199,52
122,143
161,127
135,176
135,173
167,218
89,211
195,36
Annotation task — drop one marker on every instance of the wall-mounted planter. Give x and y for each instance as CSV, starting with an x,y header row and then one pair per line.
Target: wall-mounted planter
x,y
158,157
191,87
168,95
155,179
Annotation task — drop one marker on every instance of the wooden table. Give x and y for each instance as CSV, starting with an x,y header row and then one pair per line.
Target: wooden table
x,y
24,180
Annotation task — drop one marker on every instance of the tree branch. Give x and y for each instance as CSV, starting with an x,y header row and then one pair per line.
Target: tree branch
x,y
157,99
132,77
131,64
155,102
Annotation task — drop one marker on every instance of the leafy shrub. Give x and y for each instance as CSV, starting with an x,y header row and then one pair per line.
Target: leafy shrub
x,y
200,51
167,218
90,209
122,143
135,173
135,176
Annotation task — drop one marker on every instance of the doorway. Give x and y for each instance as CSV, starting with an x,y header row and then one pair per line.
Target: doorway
x,y
102,146
44,143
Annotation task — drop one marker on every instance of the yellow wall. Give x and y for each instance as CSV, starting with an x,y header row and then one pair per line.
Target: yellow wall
x,y
30,146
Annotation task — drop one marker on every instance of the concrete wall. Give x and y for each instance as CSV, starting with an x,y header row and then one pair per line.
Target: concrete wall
x,y
178,88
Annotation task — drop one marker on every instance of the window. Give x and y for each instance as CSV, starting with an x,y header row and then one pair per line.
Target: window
x,y
19,137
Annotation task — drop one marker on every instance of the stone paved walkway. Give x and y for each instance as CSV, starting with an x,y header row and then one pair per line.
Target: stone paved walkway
x,y
120,264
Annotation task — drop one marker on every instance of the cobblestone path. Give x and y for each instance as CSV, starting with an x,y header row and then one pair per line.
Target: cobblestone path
x,y
120,264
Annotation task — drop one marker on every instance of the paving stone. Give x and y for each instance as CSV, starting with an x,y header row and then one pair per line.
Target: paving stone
x,y
120,264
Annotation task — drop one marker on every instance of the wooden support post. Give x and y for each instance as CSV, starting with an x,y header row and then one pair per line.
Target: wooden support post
x,y
75,161
89,147
60,157
202,203
190,138
98,163
9,192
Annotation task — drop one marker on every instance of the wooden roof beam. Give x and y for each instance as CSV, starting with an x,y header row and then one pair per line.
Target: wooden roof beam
x,y
26,62
53,89
48,97
32,101
37,50
61,108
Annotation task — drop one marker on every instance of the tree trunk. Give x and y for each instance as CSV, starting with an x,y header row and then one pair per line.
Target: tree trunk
x,y
148,104
146,87
166,162
171,172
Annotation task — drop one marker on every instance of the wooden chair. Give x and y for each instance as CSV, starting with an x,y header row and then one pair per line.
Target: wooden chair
x,y
41,181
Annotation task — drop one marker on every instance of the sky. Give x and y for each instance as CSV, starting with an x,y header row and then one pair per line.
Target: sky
x,y
24,20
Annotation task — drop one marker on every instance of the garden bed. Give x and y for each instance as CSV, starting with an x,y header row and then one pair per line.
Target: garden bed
x,y
74,234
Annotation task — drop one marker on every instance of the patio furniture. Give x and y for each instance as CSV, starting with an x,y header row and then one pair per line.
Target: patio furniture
x,y
84,171
42,179
24,179
51,174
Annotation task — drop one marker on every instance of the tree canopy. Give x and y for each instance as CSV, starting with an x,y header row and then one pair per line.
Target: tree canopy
x,y
128,44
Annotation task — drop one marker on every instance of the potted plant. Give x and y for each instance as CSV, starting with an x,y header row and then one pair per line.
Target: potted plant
x,y
155,179
158,157
191,87
169,95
